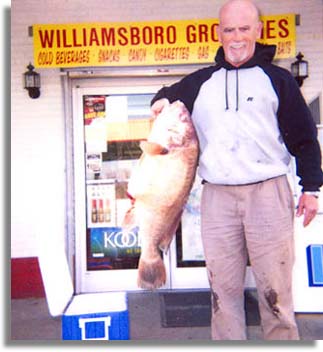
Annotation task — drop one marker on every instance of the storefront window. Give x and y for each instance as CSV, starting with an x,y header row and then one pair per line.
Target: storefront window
x,y
189,250
114,126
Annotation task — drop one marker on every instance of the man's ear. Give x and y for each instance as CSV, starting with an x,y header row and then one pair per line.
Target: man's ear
x,y
218,32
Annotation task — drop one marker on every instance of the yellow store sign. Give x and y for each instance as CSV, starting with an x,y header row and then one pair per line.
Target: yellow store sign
x,y
145,43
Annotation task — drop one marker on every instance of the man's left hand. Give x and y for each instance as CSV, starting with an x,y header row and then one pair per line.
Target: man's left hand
x,y
308,206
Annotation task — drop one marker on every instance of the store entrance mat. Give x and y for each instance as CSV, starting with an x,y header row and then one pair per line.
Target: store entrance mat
x,y
193,308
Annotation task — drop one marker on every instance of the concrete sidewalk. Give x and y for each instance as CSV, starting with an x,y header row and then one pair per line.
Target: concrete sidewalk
x,y
30,320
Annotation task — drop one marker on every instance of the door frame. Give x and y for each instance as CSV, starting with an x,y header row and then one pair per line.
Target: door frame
x,y
92,280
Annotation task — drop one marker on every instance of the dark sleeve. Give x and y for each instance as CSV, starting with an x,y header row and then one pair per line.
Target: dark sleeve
x,y
173,93
298,130
186,89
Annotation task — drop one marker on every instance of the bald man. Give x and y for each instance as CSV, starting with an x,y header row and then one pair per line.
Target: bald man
x,y
250,118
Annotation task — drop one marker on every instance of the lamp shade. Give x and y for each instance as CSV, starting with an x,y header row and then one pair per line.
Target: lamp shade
x,y
299,69
32,82
31,78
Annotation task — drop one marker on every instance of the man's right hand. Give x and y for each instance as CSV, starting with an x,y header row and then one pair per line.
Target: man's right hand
x,y
158,106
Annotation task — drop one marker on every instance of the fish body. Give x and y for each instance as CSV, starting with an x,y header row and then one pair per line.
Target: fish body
x,y
159,187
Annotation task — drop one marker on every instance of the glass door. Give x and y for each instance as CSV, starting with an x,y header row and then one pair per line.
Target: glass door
x,y
186,255
108,125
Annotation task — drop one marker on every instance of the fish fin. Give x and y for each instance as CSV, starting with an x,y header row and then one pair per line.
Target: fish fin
x,y
129,220
132,199
164,245
152,148
152,274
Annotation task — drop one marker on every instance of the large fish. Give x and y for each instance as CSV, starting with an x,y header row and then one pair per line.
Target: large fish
x,y
159,187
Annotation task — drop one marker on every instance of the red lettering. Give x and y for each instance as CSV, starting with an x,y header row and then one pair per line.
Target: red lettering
x,y
75,44
214,34
108,36
190,33
159,35
134,36
203,52
203,33
122,31
65,43
171,34
94,37
262,30
58,38
283,25
269,29
168,54
147,35
84,36
45,58
46,38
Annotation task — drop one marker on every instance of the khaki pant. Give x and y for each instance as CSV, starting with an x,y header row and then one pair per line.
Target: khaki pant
x,y
254,220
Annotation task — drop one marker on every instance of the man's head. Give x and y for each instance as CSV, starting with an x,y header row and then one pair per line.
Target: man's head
x,y
238,30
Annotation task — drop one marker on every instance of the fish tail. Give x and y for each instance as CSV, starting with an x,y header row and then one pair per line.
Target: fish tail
x,y
151,274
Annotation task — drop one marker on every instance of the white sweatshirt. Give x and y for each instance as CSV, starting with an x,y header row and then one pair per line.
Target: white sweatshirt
x,y
239,143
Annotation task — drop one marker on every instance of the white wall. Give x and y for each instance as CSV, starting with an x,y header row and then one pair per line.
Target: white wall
x,y
309,38
37,137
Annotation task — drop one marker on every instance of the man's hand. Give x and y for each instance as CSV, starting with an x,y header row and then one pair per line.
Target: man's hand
x,y
158,106
308,206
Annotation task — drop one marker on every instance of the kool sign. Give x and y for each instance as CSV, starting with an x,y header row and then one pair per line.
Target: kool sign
x,y
114,242
145,43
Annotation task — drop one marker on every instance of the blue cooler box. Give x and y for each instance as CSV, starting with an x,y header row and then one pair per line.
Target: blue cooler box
x,y
98,316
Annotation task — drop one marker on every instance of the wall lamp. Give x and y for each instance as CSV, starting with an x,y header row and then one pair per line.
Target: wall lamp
x,y
32,82
299,69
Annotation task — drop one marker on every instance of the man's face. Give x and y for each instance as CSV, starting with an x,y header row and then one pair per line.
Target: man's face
x,y
238,31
